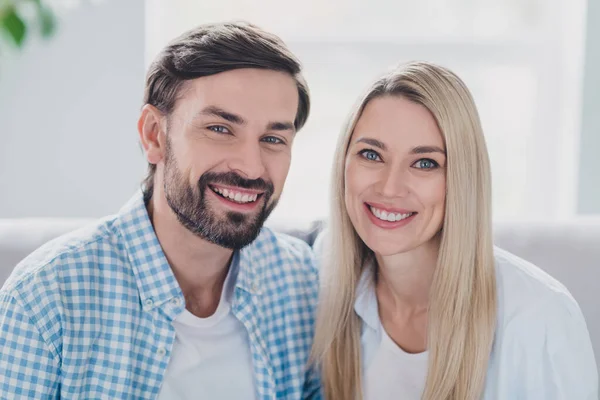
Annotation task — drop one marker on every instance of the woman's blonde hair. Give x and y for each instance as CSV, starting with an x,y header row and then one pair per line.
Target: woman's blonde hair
x,y
462,305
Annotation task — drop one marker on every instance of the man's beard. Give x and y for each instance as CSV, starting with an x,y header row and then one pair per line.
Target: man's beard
x,y
235,230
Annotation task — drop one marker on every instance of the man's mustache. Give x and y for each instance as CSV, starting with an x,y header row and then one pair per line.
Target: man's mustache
x,y
233,179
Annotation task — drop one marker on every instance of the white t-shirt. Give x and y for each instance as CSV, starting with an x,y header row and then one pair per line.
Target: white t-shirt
x,y
394,374
388,371
211,357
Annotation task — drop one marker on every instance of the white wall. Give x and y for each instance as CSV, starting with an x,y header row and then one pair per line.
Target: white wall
x,y
589,166
68,110
522,60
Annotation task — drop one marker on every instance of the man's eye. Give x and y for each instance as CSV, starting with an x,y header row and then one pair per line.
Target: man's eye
x,y
272,140
370,155
219,129
425,163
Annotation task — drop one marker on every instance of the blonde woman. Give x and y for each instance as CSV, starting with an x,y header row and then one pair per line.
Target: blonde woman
x,y
416,302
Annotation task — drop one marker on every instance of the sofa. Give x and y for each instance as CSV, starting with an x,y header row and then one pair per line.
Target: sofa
x,y
567,250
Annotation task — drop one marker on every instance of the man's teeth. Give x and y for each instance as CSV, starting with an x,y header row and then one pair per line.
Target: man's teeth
x,y
236,196
386,216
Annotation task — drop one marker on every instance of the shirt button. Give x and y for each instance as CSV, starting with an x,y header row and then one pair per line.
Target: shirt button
x,y
161,351
255,287
175,301
149,303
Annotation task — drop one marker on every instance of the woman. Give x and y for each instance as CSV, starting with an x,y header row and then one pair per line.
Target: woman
x,y
416,302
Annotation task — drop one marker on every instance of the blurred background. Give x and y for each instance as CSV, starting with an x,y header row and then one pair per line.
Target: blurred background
x,y
72,77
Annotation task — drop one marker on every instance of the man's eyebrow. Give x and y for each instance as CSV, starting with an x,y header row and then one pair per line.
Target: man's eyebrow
x,y
281,126
214,111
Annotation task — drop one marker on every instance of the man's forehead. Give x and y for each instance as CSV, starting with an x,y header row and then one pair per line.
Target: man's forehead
x,y
238,80
249,94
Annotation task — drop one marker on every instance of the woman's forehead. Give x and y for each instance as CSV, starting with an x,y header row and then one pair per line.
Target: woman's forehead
x,y
397,122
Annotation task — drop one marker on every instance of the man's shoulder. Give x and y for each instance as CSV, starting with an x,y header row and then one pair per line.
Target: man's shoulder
x,y
74,251
286,262
65,276
283,247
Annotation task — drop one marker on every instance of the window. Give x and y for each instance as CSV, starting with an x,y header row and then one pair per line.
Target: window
x,y
522,60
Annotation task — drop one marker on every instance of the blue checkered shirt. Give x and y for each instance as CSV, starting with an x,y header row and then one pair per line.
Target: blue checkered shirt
x,y
89,315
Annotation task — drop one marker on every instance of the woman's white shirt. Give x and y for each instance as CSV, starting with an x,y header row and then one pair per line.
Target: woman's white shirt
x,y
389,373
542,348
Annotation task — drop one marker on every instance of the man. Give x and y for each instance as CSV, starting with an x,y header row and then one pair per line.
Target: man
x,y
181,295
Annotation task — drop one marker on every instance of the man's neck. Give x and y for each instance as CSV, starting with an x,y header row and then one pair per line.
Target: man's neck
x,y
199,266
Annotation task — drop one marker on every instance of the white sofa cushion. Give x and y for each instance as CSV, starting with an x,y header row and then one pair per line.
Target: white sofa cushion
x,y
569,251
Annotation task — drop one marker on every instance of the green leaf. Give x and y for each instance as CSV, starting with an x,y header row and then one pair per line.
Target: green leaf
x,y
47,21
14,25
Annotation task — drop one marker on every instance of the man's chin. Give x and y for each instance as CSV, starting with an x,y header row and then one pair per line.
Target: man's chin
x,y
232,230
235,239
228,228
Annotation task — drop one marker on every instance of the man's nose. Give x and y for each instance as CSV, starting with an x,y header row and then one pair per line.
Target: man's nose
x,y
248,161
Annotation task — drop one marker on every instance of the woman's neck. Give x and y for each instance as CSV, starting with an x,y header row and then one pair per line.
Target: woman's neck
x,y
406,278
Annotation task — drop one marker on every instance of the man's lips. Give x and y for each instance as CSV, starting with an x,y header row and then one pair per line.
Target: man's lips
x,y
237,199
235,189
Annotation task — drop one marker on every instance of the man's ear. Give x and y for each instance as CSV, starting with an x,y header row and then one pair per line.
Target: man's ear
x,y
152,134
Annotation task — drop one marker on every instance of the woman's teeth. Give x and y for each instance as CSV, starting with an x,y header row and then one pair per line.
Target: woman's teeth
x,y
388,216
235,196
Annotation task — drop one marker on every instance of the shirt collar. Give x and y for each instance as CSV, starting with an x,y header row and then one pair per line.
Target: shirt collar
x,y
155,280
231,279
365,305
154,277
252,264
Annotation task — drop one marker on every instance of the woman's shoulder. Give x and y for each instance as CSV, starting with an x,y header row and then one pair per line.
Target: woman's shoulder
x,y
542,346
524,282
530,301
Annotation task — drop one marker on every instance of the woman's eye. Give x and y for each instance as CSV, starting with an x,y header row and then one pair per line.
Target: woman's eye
x,y
370,155
425,163
219,129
